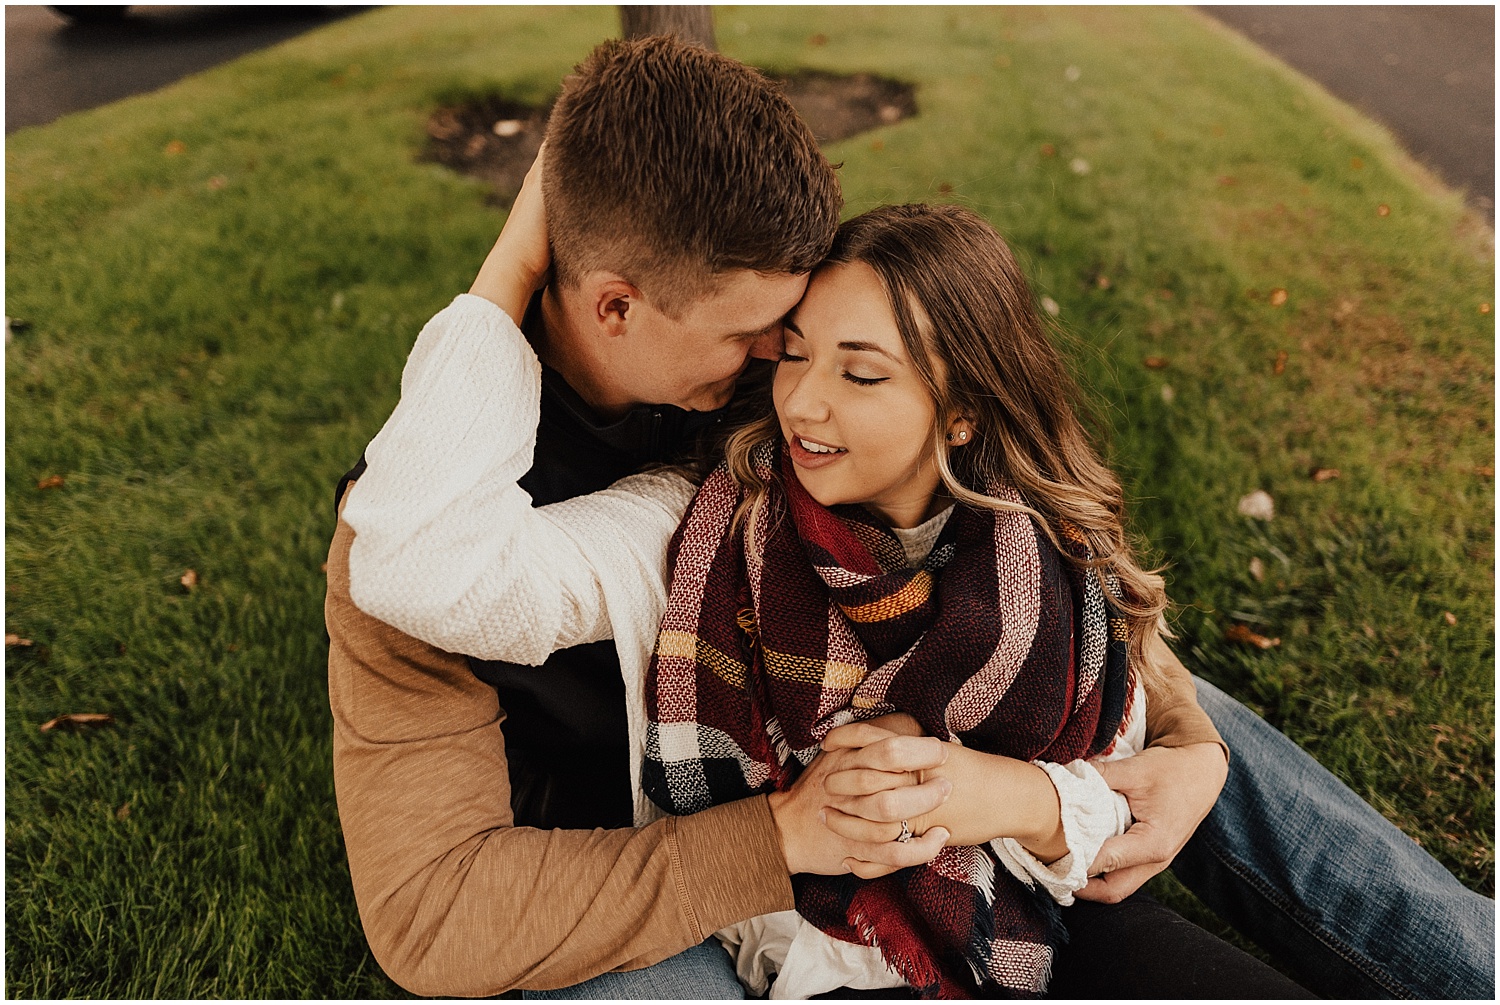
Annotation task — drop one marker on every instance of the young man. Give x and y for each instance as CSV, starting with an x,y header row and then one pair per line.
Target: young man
x,y
686,204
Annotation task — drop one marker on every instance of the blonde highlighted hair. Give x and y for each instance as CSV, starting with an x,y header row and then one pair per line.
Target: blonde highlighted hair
x,y
972,329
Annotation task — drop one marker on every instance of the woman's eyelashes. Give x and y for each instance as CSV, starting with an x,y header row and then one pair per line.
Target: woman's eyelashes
x,y
852,378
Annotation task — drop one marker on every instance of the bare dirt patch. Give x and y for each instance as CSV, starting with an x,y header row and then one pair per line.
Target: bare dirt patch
x,y
495,139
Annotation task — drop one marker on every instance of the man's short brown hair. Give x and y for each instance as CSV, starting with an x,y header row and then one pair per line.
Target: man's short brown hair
x,y
670,164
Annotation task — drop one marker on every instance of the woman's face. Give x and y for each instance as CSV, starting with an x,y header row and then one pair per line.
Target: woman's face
x,y
855,414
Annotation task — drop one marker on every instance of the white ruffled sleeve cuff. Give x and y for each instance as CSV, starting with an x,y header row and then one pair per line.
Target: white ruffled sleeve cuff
x,y
1092,813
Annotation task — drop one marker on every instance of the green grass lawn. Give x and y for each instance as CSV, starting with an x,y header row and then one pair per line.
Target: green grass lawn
x,y
222,281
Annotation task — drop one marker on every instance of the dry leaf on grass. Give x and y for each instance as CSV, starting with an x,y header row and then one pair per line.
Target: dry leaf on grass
x,y
189,579
1382,210
1484,308
1257,570
123,812
1048,150
50,482
1239,633
175,147
1279,367
75,720
1155,362
15,640
1485,472
1325,474
1258,505
1278,297
1450,617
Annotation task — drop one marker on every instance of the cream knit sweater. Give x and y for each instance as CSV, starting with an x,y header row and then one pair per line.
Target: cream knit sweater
x,y
449,549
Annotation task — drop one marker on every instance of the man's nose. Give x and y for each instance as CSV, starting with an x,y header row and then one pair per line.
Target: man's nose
x,y
769,345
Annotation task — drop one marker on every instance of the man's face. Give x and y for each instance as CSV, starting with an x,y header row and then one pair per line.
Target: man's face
x,y
693,361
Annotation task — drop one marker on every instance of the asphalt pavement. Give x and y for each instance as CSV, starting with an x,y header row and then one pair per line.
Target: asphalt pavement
x,y
53,67
1427,73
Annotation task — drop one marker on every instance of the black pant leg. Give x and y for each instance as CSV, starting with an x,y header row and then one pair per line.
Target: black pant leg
x,y
1141,949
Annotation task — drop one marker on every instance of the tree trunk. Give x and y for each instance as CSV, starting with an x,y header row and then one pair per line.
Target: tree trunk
x,y
688,23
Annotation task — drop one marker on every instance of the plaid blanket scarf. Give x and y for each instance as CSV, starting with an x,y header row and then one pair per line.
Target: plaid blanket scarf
x,y
996,641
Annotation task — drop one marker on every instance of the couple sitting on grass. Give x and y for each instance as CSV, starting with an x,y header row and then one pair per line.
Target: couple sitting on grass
x,y
887,691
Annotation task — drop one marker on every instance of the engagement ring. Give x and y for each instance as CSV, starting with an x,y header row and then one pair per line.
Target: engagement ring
x,y
906,834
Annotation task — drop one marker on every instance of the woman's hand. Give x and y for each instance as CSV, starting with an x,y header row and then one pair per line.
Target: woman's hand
x,y
517,265
993,796
810,846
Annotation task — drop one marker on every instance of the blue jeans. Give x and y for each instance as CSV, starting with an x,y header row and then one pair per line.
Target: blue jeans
x,y
1320,880
704,971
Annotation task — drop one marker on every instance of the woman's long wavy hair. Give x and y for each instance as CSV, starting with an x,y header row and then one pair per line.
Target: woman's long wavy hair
x,y
973,331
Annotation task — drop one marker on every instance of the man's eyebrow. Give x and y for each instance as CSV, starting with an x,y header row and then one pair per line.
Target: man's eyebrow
x,y
757,333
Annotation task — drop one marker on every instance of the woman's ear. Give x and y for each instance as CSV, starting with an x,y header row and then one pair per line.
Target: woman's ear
x,y
960,432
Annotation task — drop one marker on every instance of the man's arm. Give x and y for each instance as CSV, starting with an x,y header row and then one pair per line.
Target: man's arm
x,y
1171,785
456,901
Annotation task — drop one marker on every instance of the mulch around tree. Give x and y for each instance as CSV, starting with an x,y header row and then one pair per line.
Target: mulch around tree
x,y
495,139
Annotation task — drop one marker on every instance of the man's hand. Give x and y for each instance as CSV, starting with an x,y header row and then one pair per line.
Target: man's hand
x,y
896,762
1171,790
517,265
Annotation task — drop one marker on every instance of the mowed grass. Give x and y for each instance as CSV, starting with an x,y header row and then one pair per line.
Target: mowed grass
x,y
222,281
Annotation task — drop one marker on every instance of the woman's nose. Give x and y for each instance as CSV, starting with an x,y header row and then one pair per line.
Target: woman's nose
x,y
804,399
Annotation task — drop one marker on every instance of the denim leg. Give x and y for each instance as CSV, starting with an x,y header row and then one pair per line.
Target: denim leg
x,y
1297,862
704,971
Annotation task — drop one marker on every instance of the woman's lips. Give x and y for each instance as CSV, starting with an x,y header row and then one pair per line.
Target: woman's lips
x,y
804,458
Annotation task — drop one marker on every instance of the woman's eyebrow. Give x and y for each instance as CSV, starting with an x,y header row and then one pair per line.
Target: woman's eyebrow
x,y
867,347
791,326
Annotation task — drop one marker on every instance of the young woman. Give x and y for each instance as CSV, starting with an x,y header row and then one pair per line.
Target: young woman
x,y
920,536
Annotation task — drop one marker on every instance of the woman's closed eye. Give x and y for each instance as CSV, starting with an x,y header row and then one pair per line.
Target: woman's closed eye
x,y
787,357
864,381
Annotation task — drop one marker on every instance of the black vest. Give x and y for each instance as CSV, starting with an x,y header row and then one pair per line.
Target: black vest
x,y
565,733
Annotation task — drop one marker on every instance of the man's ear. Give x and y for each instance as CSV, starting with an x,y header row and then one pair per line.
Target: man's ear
x,y
614,302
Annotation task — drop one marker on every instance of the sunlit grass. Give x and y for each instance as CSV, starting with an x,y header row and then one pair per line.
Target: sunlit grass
x,y
222,280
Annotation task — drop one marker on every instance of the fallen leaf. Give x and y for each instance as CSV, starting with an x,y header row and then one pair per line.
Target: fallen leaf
x,y
1051,306
1102,282
1356,163
50,482
1239,633
818,39
1450,617
877,145
217,182
1278,297
189,579
945,188
1382,210
1486,471
15,640
1325,474
1369,630
1079,165
1155,362
176,147
1258,505
1168,394
1484,308
74,720
1048,150
123,812
1228,180
1279,367
1257,570
507,127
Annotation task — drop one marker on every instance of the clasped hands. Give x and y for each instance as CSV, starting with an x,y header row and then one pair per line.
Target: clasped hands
x,y
846,810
